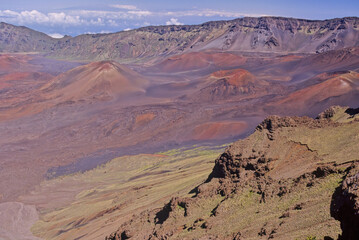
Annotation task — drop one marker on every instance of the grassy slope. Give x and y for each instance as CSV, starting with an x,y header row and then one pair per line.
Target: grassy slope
x,y
244,213
304,209
94,203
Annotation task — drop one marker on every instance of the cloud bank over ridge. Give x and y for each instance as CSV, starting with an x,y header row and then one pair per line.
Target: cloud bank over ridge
x,y
117,17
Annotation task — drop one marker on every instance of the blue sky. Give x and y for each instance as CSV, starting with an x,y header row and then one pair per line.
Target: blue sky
x,y
74,17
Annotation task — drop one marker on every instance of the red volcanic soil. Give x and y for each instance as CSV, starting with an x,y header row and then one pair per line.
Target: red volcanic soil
x,y
200,60
104,80
229,85
10,63
98,80
236,77
10,79
332,85
144,119
218,130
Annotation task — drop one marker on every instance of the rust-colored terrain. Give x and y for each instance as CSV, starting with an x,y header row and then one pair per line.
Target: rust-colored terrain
x,y
153,105
200,61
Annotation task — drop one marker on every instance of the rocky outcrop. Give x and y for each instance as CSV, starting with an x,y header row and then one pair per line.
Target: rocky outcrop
x,y
276,165
272,42
345,204
272,123
328,113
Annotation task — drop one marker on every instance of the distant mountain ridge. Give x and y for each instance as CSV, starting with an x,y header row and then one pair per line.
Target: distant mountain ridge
x,y
23,39
264,34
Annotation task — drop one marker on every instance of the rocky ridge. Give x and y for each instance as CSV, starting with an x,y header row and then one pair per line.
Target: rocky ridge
x,y
278,182
264,34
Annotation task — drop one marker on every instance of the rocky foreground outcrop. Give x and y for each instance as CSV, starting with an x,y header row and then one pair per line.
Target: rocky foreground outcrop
x,y
276,184
345,204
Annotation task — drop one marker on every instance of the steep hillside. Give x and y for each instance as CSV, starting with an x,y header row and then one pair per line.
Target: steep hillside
x,y
277,183
324,90
246,34
265,34
344,206
23,39
288,35
341,59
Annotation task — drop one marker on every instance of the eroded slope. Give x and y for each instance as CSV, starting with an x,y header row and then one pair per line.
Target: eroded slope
x,y
277,183
264,34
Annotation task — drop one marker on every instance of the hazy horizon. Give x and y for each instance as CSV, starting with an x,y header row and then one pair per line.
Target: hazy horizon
x,y
58,18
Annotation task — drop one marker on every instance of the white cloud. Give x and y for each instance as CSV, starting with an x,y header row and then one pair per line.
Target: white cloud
x,y
140,13
56,35
122,16
63,18
127,7
98,21
102,32
112,23
8,13
211,13
127,29
113,15
34,16
173,21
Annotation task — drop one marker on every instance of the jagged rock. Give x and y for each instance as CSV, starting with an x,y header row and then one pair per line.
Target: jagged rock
x,y
323,171
119,236
329,113
272,123
263,171
164,213
239,168
237,236
262,232
272,42
345,205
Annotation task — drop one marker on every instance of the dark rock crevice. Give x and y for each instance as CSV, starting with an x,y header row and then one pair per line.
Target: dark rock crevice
x,y
345,204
